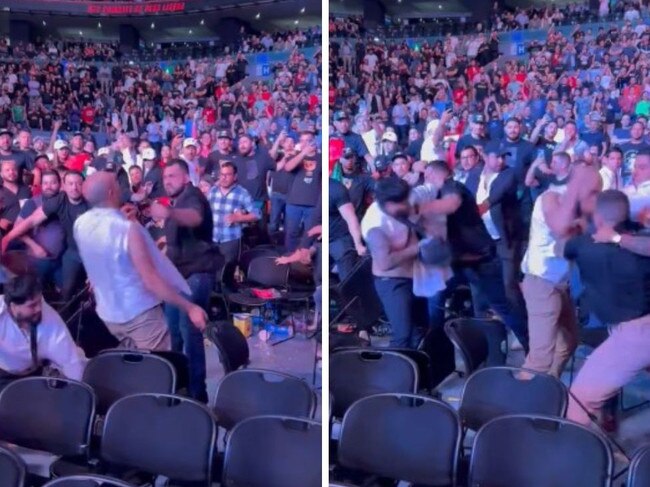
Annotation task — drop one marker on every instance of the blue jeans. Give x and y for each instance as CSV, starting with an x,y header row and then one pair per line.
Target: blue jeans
x,y
278,204
487,278
186,338
296,217
401,308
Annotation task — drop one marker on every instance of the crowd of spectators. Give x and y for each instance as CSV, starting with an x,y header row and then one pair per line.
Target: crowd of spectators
x,y
200,136
440,152
501,20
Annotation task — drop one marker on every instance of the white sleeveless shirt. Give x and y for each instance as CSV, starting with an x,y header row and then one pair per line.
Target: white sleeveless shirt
x,y
102,237
540,259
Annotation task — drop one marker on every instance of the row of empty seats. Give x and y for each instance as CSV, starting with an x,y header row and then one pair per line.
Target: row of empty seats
x,y
126,419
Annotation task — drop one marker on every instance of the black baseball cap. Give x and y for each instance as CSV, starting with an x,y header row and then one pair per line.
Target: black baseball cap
x,y
224,134
348,153
341,115
397,155
6,132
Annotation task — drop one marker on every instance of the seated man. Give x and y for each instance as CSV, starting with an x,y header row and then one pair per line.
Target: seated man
x,y
31,332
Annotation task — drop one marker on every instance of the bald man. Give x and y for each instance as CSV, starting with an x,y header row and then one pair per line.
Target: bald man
x,y
130,277
552,326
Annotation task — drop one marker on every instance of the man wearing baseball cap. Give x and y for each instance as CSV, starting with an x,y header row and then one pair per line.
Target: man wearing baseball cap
x,y
152,174
476,137
351,139
190,156
224,152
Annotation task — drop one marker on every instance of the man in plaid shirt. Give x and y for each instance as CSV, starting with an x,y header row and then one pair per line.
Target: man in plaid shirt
x,y
232,206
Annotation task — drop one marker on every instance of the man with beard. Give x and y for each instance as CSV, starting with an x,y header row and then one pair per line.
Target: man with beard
x,y
394,248
223,152
12,193
188,231
46,242
350,139
7,152
67,207
630,150
24,313
476,137
360,185
130,277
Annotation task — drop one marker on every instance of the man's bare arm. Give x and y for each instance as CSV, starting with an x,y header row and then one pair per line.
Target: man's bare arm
x,y
559,214
20,229
383,257
350,217
446,205
637,244
187,217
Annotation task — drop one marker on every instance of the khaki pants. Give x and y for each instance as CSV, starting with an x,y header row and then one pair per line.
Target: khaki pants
x,y
552,325
612,365
147,331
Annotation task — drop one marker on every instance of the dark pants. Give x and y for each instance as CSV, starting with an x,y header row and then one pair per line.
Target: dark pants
x,y
278,204
186,338
73,274
230,250
405,312
344,255
296,217
487,278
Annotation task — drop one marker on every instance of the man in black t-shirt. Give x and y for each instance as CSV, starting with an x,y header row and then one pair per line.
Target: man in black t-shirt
x,y
7,153
12,193
304,190
223,152
360,185
474,256
188,231
67,207
345,244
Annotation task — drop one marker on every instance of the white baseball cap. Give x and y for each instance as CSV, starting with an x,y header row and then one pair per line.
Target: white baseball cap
x,y
390,136
103,151
149,154
61,144
190,141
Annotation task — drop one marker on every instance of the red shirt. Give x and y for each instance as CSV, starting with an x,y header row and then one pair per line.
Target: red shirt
x,y
77,162
210,115
459,95
472,71
88,115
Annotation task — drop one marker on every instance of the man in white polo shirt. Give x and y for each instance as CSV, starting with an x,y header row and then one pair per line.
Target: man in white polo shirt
x,y
190,155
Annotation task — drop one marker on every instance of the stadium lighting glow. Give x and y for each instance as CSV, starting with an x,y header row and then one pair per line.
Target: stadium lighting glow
x,y
202,22
190,31
99,25
153,26
439,7
295,22
44,23
302,10
257,16
81,33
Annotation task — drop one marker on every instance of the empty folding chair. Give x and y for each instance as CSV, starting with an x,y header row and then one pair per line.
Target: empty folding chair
x,y
497,391
470,341
254,392
12,469
87,481
539,451
402,437
160,434
355,374
273,451
52,415
639,472
118,373
231,344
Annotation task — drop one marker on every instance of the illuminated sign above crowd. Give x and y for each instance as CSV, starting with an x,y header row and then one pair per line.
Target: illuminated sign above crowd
x,y
130,8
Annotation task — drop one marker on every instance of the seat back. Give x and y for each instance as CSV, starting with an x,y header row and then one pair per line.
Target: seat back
x,y
639,472
87,481
265,272
181,366
376,429
358,296
160,434
118,373
13,471
53,415
254,392
355,374
497,391
273,451
231,344
250,255
470,341
539,451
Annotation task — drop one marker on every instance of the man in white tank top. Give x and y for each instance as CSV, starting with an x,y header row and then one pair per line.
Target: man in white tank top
x,y
552,325
130,277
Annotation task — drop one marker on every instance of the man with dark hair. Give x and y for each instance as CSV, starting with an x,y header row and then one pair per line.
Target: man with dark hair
x,y
24,313
474,255
12,194
46,242
610,172
617,291
232,206
345,244
188,230
394,247
67,207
